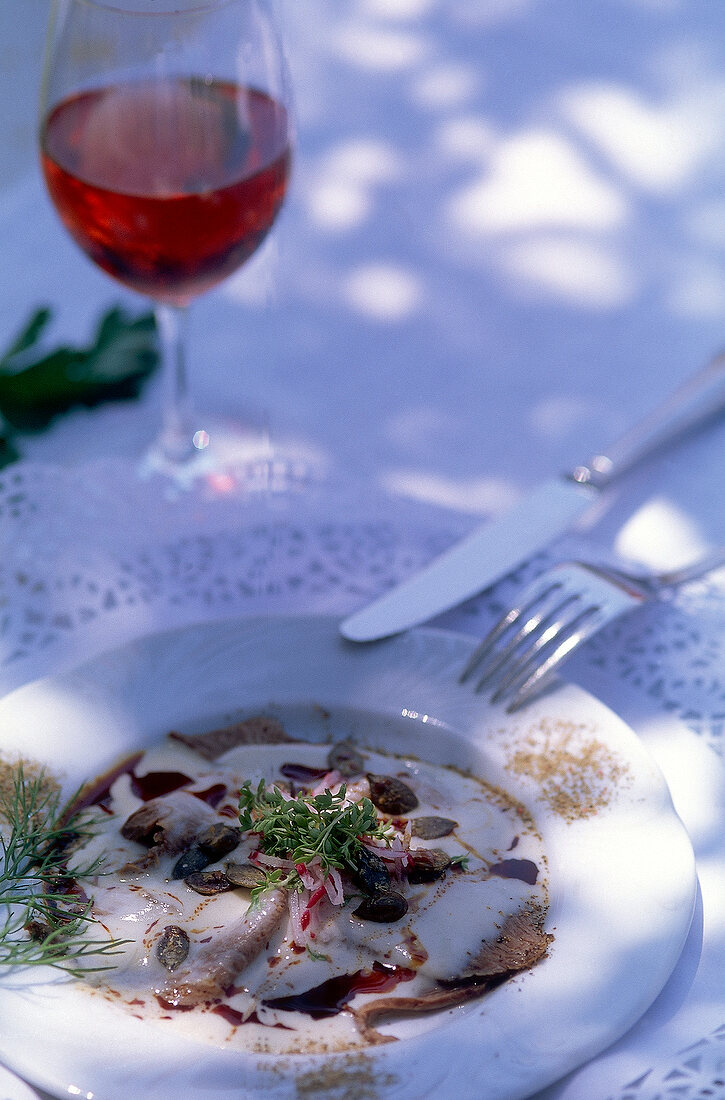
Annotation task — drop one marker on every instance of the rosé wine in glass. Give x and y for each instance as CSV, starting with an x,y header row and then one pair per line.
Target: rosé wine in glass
x,y
165,143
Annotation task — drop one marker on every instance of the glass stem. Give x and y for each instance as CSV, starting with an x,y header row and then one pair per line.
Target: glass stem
x,y
176,438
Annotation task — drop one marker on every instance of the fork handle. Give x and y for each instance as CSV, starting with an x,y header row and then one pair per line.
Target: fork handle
x,y
698,400
707,564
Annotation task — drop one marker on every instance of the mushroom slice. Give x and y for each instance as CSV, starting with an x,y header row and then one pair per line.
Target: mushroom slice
x,y
213,966
253,731
521,943
344,758
367,1014
166,826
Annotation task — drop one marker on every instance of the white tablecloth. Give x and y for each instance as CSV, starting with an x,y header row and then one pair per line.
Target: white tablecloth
x,y
91,558
503,244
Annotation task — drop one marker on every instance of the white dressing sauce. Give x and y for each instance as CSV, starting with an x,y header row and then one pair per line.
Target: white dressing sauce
x,y
438,939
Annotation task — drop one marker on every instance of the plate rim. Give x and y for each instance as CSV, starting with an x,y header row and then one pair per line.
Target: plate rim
x,y
434,636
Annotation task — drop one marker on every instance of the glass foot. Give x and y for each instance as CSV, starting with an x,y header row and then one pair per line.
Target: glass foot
x,y
223,458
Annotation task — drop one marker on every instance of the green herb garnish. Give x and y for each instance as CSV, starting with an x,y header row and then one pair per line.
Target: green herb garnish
x,y
316,956
308,826
43,917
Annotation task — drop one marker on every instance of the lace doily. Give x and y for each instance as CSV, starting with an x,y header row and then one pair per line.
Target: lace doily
x,y
697,1074
90,558
672,653
94,552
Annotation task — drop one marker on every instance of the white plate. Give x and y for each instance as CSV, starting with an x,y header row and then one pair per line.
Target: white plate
x,y
11,1088
621,869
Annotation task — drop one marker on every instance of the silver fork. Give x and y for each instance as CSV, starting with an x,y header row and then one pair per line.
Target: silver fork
x,y
553,615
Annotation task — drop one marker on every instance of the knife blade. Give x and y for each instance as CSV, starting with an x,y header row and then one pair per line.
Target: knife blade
x,y
551,509
474,562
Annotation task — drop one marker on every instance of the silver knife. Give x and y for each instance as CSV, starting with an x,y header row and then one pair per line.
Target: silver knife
x,y
497,547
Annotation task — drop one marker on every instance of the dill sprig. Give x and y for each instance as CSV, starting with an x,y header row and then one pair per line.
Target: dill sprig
x,y
308,826
44,913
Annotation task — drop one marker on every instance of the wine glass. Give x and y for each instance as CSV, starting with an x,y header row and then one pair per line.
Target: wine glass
x,y
166,148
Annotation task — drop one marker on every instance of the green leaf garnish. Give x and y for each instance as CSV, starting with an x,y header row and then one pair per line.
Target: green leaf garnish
x,y
316,956
44,917
308,826
37,384
29,335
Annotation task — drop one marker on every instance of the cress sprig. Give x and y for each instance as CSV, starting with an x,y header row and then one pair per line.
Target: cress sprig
x,y
41,924
308,826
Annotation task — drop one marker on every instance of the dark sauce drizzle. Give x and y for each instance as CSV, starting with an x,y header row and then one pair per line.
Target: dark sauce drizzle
x,y
234,1017
146,787
523,869
156,784
331,997
302,773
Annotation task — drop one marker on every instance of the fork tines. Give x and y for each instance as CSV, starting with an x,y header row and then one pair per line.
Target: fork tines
x,y
530,640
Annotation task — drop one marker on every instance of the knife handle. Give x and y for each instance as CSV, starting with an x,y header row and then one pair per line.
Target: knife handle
x,y
698,400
